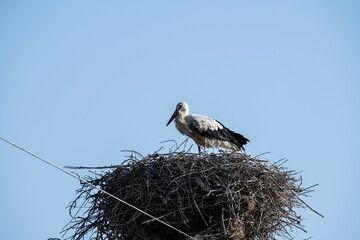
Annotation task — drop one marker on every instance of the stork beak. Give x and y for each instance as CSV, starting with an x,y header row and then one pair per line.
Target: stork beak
x,y
173,116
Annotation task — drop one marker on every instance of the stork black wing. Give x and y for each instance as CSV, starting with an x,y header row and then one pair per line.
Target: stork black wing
x,y
222,133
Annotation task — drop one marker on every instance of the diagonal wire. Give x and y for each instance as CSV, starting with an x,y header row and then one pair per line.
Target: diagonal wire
x,y
109,194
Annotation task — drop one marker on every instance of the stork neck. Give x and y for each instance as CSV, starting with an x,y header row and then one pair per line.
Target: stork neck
x,y
181,115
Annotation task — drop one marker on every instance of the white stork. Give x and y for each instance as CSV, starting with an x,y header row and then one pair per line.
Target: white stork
x,y
206,132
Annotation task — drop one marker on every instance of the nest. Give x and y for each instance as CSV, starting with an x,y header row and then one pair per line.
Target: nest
x,y
212,196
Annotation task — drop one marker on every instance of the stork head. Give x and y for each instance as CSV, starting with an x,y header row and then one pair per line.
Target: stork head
x,y
181,109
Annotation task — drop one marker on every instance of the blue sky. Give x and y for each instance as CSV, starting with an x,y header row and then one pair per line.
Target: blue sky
x,y
82,80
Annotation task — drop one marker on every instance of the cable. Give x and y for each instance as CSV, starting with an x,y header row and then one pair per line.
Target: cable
x,y
109,194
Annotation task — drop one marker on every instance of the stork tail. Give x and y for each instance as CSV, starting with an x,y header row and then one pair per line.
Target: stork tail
x,y
240,139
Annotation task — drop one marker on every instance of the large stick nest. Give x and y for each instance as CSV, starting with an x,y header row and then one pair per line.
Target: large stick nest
x,y
212,196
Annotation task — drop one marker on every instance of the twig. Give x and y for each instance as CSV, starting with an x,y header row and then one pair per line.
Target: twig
x,y
102,167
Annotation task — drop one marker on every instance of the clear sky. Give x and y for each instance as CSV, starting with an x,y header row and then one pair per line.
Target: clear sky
x,y
82,80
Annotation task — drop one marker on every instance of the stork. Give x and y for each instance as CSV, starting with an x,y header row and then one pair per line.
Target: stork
x,y
206,132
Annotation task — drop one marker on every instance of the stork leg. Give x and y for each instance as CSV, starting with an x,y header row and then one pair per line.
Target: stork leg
x,y
199,147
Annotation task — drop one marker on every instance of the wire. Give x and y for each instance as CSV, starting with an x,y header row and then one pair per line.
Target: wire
x,y
109,194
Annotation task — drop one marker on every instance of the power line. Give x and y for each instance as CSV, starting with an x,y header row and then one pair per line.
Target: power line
x,y
109,194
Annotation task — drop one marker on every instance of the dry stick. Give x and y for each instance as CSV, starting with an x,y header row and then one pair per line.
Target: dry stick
x,y
103,167
109,194
299,199
309,206
95,173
